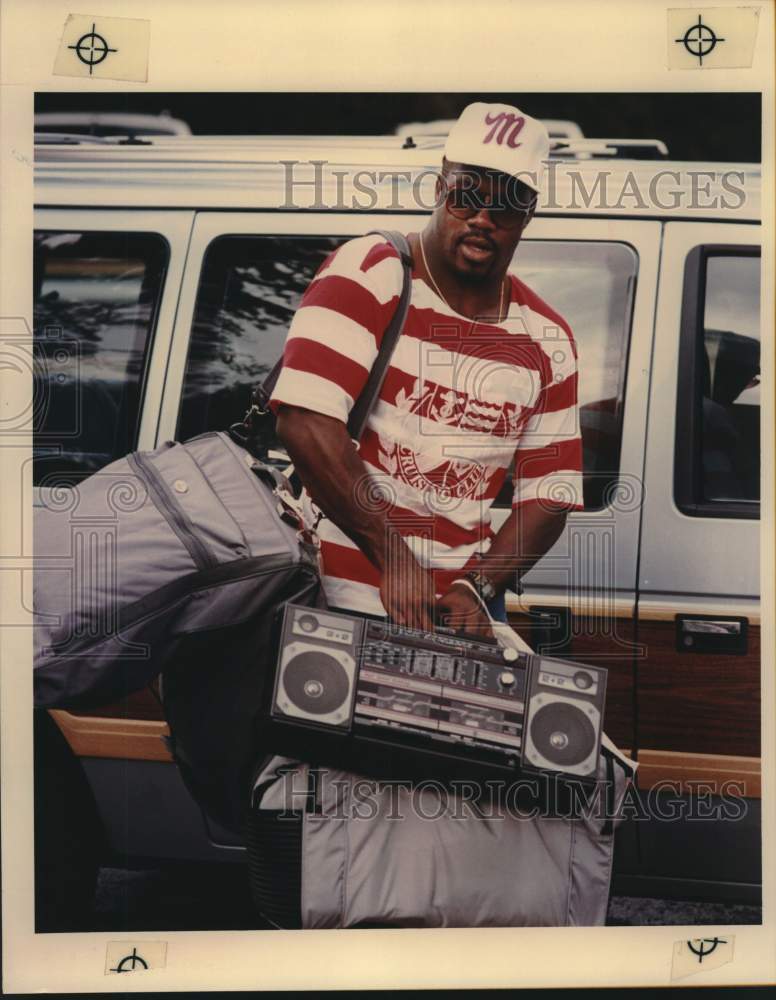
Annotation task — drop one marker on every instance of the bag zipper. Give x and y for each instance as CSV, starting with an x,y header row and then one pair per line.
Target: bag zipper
x,y
201,555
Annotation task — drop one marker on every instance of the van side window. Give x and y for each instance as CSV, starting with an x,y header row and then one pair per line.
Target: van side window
x,y
96,296
249,289
717,469
591,285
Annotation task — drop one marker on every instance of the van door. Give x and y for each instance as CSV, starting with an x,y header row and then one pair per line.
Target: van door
x,y
579,600
245,277
698,680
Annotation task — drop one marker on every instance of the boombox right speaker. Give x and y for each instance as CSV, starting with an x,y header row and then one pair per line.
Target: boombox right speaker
x,y
563,717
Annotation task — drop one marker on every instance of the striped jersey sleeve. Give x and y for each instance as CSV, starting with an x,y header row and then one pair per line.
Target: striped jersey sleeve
x,y
548,457
336,332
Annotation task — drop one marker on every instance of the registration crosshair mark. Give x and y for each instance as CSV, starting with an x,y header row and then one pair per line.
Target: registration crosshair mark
x,y
702,37
92,48
702,951
134,961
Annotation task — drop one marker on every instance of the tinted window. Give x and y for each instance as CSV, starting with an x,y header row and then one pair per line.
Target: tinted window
x,y
729,356
249,290
591,286
95,302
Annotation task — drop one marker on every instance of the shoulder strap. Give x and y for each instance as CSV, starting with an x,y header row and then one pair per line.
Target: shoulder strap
x,y
368,397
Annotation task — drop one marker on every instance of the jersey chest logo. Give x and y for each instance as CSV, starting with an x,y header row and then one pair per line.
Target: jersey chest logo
x,y
450,411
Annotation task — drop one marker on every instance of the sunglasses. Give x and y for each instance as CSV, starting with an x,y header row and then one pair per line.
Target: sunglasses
x,y
464,202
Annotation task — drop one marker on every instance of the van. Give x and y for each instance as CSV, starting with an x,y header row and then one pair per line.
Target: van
x,y
166,274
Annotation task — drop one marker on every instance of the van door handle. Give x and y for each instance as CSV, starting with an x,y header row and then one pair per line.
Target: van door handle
x,y
717,626
711,634
550,630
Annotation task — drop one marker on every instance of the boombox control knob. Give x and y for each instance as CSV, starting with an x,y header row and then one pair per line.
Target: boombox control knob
x,y
506,678
308,623
510,655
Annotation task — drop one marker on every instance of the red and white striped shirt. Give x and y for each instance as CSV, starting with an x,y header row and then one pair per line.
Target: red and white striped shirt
x,y
460,400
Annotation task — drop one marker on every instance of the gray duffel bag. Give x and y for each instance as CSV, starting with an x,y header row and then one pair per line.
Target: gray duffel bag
x,y
383,854
160,547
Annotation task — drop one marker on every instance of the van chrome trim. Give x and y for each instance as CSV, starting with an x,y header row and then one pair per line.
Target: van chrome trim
x,y
663,610
590,605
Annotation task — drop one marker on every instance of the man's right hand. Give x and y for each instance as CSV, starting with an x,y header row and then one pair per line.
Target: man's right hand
x,y
406,588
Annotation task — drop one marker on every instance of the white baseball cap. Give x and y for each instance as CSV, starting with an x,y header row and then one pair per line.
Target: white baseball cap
x,y
502,138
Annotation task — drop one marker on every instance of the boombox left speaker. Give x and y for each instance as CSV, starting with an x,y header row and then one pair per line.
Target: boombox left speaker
x,y
563,717
316,683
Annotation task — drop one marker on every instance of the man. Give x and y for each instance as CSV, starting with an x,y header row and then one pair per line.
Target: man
x,y
484,371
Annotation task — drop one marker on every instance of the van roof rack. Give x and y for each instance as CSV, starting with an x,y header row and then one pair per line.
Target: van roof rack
x,y
583,149
566,148
77,138
70,139
558,128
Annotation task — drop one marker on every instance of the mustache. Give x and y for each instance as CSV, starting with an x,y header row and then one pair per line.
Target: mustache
x,y
480,237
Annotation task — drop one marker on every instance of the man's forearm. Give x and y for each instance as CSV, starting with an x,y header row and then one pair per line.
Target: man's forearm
x,y
334,475
529,531
337,480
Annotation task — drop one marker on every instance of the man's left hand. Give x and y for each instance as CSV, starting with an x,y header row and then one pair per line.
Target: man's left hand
x,y
461,610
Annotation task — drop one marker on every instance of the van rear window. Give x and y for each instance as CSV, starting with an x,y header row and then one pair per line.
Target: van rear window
x,y
96,296
730,383
717,453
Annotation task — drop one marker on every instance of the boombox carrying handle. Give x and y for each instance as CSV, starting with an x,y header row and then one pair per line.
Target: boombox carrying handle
x,y
368,397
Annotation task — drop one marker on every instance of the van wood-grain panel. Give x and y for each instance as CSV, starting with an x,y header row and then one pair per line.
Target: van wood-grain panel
x,y
704,703
725,774
120,739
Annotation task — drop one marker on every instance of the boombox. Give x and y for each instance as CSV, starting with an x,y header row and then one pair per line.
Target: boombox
x,y
373,697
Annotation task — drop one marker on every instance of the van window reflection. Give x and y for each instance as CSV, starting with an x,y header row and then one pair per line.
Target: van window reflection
x,y
96,296
730,380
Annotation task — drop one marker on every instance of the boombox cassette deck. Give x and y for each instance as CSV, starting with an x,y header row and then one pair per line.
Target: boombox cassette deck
x,y
373,697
